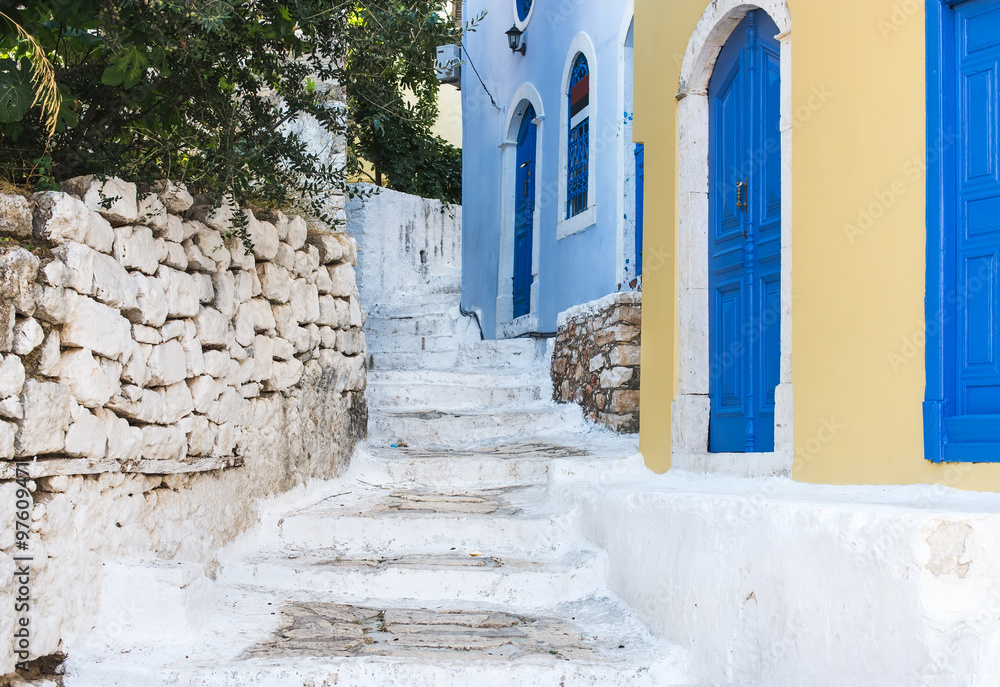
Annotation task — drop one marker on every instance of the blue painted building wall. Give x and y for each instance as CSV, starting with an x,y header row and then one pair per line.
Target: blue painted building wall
x,y
585,265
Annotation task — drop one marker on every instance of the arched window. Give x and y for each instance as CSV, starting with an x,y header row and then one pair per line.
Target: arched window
x,y
578,149
523,9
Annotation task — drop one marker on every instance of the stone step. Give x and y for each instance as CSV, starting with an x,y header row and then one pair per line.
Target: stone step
x,y
265,639
382,522
460,429
408,343
456,394
427,325
465,578
474,356
418,306
524,463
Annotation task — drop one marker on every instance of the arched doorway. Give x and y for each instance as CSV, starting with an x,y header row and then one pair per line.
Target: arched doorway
x,y
524,212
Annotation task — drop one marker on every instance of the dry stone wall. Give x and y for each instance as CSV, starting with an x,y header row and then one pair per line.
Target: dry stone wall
x,y
595,360
156,379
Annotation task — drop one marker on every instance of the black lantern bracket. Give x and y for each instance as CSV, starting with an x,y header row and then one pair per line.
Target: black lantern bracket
x,y
514,40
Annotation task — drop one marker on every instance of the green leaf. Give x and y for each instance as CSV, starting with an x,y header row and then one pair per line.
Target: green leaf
x,y
16,91
125,69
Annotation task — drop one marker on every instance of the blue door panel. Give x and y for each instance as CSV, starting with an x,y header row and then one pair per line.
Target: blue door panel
x,y
969,414
640,184
745,238
524,212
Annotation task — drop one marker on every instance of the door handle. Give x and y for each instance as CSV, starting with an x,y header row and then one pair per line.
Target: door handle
x,y
741,195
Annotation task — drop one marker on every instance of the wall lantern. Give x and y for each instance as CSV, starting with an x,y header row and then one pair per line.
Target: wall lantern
x,y
514,40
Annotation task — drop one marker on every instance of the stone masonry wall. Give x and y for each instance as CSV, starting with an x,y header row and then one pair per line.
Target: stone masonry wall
x,y
156,380
595,361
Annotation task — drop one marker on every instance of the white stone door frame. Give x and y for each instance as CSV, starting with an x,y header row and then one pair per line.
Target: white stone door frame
x,y
627,180
507,326
692,407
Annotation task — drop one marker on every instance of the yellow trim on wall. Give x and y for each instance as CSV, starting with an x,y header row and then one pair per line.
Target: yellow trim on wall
x,y
859,250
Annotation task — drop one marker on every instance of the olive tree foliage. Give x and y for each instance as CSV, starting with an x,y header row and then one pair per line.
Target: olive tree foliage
x,y
207,92
392,90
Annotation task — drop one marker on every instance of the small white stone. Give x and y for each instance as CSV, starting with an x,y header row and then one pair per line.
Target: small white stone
x,y
177,402
124,441
147,335
615,377
194,358
152,212
8,433
297,232
113,198
28,335
100,236
79,261
113,285
243,283
173,230
243,324
135,248
53,304
87,437
197,261
174,196
344,282
47,407
97,327
163,443
112,370
151,300
225,441
285,257
210,243
48,360
149,407
212,327
229,408
82,374
238,255
264,236
283,349
204,392
328,337
166,364
172,329
135,369
263,315
217,364
275,281
263,358
203,282
355,318
175,256
181,292
250,390
54,273
60,217
11,409
331,248
11,376
201,435
224,290
305,302
329,313
284,375
15,216
321,277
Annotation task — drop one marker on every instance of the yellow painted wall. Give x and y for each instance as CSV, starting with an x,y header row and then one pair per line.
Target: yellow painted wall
x,y
858,315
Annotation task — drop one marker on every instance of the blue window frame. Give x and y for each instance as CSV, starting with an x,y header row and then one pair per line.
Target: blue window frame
x,y
962,305
523,9
578,147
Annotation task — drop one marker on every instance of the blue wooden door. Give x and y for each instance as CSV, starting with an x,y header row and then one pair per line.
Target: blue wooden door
x,y
524,212
972,348
744,238
640,164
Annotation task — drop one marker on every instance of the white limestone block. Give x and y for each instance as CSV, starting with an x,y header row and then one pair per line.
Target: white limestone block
x,y
263,315
229,408
48,359
135,249
172,329
100,236
285,257
28,335
81,373
225,441
18,272
113,285
79,261
284,375
217,364
11,408
250,390
297,232
210,242
283,349
177,402
47,407
211,326
615,377
330,248
124,440
219,218
175,256
355,317
263,358
97,327
173,230
200,434
305,301
181,292
115,199
174,196
11,376
135,370
264,236
8,435
275,282
146,335
151,301
280,222
224,293
204,392
87,436
343,280
196,260
60,217
166,364
147,408
350,341
329,313
203,282
239,258
313,331
54,273
54,304
243,282
255,288
194,358
328,337
320,277
243,324
163,443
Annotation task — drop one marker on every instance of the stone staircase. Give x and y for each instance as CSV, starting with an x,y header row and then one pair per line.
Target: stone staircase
x,y
451,553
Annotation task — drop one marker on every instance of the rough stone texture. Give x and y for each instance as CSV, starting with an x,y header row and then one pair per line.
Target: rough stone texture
x,y
146,430
595,362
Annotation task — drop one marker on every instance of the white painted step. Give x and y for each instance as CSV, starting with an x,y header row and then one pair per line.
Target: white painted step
x,y
369,522
265,639
459,429
475,356
426,325
414,343
454,392
417,306
426,578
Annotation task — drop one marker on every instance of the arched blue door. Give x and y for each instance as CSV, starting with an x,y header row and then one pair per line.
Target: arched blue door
x,y
744,238
640,183
524,212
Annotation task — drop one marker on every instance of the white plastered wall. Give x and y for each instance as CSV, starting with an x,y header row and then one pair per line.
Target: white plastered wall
x,y
691,408
507,326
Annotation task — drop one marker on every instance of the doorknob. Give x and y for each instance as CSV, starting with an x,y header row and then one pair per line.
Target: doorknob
x,y
741,195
